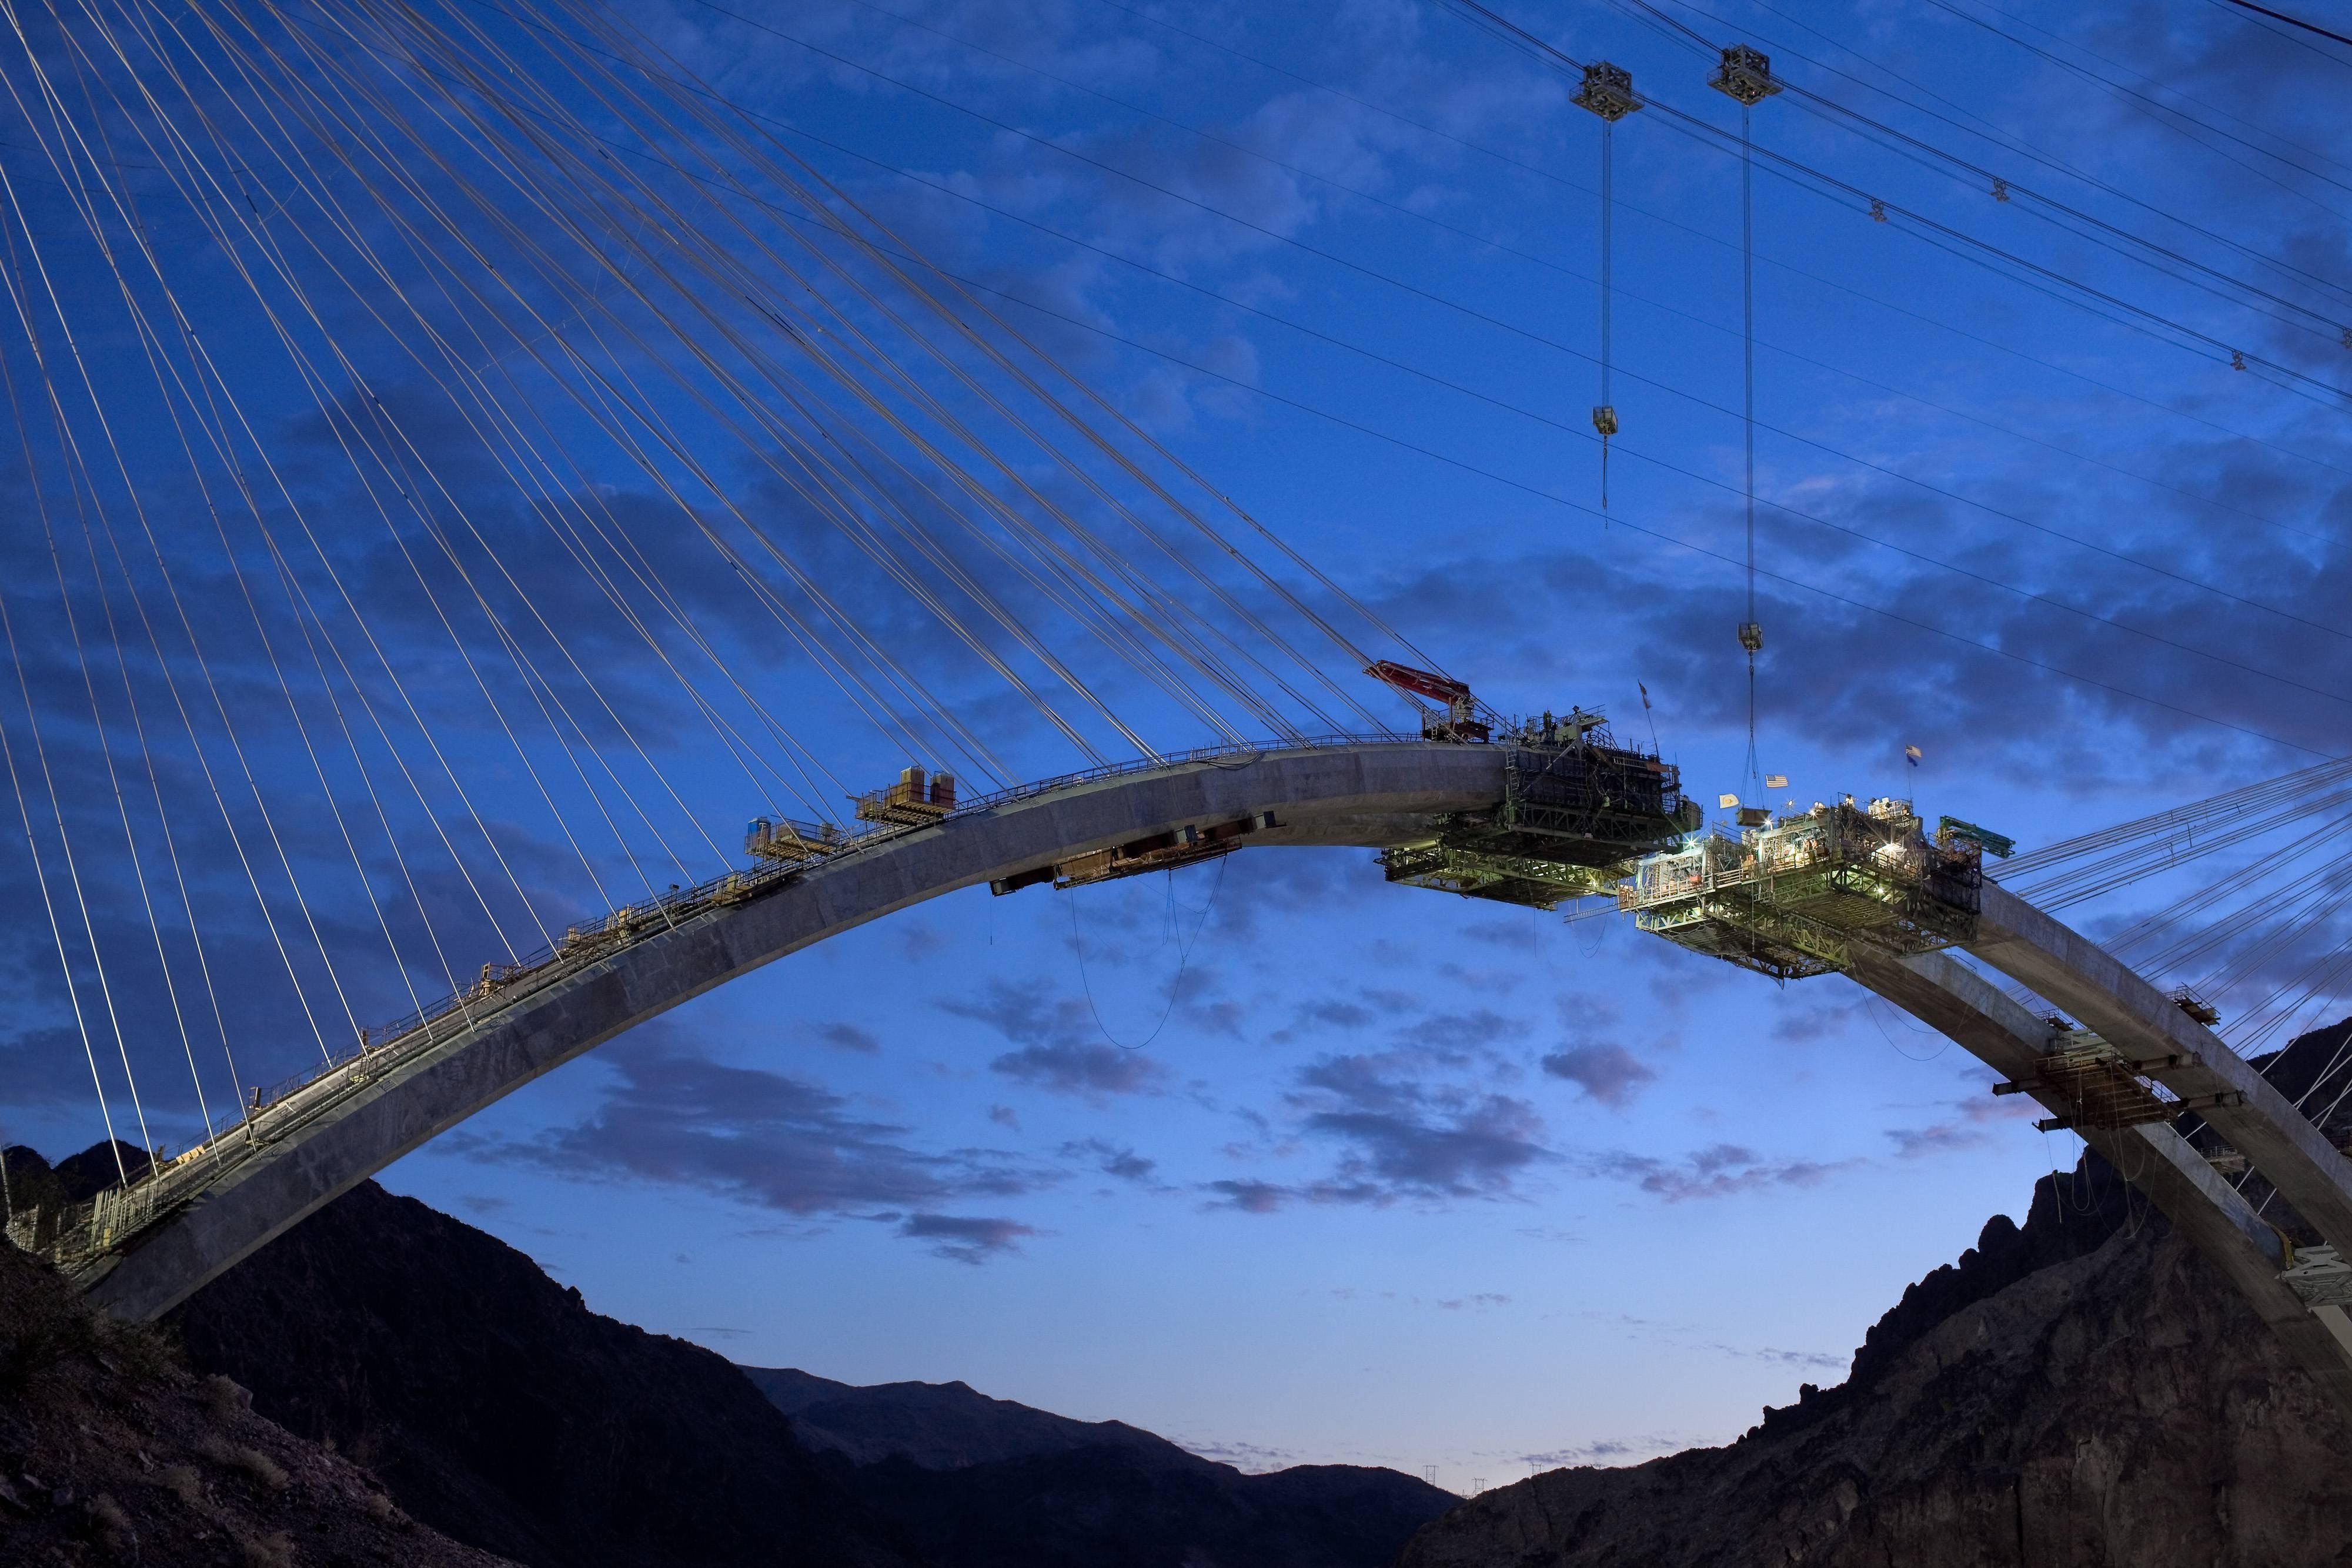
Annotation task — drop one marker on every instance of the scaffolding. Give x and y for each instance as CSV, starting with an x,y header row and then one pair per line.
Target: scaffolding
x,y
1793,898
1576,808
2101,1089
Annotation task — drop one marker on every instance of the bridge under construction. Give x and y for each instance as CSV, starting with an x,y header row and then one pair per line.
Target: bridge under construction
x,y
701,480
1538,813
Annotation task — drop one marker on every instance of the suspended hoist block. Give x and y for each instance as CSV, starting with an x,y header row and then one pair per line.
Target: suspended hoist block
x,y
1746,75
1607,91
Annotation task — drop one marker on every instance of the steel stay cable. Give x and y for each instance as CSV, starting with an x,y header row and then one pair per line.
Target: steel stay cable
x,y
317,386
41,878
105,749
114,784
22,305
1353,348
218,435
403,484
1799,514
697,91
56,806
821,211
490,407
88,211
211,379
535,682
670,441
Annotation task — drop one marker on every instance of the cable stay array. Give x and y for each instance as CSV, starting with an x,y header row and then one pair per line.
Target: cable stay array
x,y
417,406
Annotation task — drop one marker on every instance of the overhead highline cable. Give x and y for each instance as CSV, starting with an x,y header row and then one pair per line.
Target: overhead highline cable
x,y
1510,160
1392,281
1579,433
967,197
1988,179
1617,521
1502,28
1500,403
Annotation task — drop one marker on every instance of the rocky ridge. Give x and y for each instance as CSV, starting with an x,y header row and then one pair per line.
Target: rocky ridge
x,y
2082,1392
112,1452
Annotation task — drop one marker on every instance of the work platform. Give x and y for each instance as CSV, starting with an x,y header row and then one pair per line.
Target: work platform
x,y
1577,809
1796,895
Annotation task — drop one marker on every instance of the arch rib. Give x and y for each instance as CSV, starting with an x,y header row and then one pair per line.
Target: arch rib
x,y
2057,963
1947,995
1372,794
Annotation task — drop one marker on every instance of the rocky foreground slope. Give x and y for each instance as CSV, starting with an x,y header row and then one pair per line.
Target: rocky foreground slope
x,y
112,1452
2083,1392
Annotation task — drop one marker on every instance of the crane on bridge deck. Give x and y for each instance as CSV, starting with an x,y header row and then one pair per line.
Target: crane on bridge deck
x,y
1577,809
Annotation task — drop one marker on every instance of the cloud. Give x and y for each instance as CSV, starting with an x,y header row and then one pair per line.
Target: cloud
x,y
1087,1069
965,1240
1061,1046
1602,1451
1609,1073
755,1137
1249,1197
848,1037
1111,1159
1720,1170
1970,1124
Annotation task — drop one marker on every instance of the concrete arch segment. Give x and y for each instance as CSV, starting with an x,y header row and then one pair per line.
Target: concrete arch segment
x,y
2059,964
1371,795
1949,996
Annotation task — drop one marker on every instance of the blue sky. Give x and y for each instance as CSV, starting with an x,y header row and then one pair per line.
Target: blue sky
x,y
1396,1178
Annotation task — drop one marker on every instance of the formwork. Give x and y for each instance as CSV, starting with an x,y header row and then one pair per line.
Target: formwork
x,y
1793,896
1576,808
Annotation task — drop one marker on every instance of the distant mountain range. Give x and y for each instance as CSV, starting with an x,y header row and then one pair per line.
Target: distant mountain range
x,y
987,1483
499,1410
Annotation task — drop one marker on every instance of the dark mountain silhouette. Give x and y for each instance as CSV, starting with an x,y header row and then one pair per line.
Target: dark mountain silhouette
x,y
111,1451
987,1483
501,1411
938,1426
